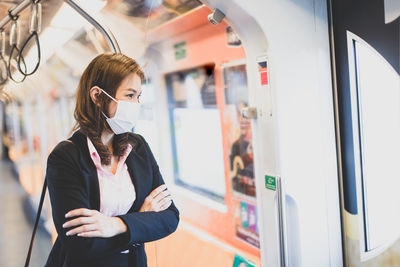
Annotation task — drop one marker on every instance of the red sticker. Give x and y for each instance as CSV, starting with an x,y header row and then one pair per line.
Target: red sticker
x,y
264,78
262,69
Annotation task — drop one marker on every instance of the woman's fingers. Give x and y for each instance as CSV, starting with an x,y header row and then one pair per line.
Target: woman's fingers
x,y
158,190
162,195
79,221
81,229
80,212
86,221
92,223
165,199
91,234
165,205
159,199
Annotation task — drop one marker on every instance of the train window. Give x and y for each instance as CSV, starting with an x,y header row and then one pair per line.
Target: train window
x,y
196,134
376,109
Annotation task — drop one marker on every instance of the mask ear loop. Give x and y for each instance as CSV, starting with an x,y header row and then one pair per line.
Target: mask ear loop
x,y
108,95
14,40
34,30
3,62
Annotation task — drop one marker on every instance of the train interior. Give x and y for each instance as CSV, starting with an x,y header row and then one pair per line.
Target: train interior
x,y
238,107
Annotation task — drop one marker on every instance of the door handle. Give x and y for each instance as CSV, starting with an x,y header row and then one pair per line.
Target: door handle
x,y
249,113
282,222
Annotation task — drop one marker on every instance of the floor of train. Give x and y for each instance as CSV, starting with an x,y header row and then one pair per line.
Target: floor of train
x,y
16,223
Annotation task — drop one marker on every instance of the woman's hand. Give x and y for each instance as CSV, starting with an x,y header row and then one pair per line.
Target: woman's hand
x,y
158,200
92,223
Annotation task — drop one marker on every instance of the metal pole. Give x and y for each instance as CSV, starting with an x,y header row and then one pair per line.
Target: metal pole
x,y
282,222
112,42
18,9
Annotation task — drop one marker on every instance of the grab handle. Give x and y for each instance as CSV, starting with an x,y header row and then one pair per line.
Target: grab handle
x,y
281,222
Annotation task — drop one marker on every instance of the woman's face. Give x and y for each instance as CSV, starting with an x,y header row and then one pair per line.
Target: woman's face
x,y
129,90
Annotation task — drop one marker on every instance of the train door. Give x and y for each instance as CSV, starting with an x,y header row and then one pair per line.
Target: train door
x,y
368,83
213,128
200,78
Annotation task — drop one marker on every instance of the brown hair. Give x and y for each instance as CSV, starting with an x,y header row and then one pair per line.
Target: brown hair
x,y
106,71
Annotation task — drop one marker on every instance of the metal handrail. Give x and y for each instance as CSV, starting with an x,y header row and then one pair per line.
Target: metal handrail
x,y
18,9
281,222
112,42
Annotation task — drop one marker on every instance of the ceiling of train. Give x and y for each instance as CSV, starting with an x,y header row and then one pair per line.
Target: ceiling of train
x,y
148,14
145,14
69,41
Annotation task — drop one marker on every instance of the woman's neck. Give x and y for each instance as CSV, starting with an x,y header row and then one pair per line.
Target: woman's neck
x,y
106,138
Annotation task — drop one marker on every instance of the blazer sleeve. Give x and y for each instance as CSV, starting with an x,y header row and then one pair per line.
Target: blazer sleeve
x,y
150,226
67,191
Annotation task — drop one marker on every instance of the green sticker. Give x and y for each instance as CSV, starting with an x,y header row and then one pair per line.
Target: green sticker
x,y
240,261
180,50
270,182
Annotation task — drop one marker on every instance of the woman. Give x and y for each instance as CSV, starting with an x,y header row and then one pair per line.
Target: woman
x,y
107,194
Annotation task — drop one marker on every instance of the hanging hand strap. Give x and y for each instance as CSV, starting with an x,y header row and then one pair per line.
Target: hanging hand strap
x,y
34,29
24,72
28,257
15,48
14,41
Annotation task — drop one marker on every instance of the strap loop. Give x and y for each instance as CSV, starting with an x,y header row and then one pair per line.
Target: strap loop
x,y
14,47
25,73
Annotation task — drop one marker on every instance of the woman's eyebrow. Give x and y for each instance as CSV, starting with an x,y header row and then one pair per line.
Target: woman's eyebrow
x,y
133,90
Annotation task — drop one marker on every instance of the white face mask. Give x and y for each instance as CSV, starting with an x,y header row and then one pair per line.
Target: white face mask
x,y
125,117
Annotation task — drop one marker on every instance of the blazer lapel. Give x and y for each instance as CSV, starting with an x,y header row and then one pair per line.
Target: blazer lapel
x,y
89,169
139,172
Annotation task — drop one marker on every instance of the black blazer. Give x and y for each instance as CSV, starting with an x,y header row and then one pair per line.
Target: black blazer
x,y
73,183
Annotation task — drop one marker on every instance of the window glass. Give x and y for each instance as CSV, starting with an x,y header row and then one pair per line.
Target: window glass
x,y
196,133
378,93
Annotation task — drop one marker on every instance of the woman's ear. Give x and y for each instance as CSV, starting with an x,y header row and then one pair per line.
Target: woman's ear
x,y
94,92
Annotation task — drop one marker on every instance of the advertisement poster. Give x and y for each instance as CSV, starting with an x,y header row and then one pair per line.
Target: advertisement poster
x,y
240,138
246,223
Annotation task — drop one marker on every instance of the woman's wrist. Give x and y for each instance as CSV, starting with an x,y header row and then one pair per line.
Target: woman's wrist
x,y
120,224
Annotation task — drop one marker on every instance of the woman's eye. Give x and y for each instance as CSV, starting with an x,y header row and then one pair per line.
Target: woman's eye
x,y
130,96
